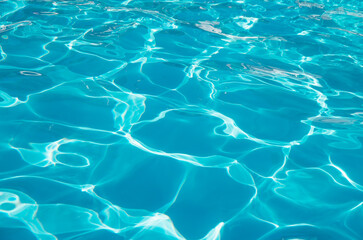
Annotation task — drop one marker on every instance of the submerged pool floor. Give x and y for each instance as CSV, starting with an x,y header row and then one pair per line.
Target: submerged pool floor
x,y
213,120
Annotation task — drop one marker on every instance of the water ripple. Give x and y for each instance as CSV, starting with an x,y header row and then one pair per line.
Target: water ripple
x,y
181,119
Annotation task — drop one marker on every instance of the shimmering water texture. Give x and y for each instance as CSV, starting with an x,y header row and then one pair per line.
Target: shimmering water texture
x,y
181,120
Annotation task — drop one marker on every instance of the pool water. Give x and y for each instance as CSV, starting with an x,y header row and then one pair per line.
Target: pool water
x,y
179,119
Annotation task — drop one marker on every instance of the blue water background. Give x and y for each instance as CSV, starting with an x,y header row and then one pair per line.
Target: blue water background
x,y
181,120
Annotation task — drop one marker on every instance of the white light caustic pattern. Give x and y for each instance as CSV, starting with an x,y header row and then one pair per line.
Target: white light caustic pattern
x,y
181,120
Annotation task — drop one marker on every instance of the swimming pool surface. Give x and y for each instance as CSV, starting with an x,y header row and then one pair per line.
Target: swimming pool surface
x,y
177,119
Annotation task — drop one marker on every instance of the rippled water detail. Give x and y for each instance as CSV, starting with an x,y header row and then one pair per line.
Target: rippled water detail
x,y
181,119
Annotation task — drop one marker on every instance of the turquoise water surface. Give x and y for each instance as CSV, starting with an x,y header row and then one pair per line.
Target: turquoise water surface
x,y
179,119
